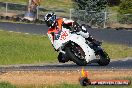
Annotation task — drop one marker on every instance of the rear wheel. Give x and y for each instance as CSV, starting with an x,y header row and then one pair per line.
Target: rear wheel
x,y
103,58
76,54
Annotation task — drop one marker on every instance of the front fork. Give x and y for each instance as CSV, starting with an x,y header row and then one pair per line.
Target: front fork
x,y
60,50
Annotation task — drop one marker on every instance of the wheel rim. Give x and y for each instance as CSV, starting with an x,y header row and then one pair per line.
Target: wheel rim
x,y
78,52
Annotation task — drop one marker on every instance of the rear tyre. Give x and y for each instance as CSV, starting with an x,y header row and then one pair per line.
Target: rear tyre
x,y
73,57
104,58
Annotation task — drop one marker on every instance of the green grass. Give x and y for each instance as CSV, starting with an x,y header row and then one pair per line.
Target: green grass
x,y
114,9
65,85
48,4
15,1
113,13
25,49
117,51
34,49
72,86
60,7
6,85
77,86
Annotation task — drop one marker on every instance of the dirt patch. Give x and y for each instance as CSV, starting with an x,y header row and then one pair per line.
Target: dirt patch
x,y
8,14
57,77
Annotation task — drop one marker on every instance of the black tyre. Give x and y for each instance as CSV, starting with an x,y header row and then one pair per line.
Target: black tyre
x,y
104,58
73,56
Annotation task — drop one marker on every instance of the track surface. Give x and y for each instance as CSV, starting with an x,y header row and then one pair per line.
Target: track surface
x,y
120,36
109,35
125,64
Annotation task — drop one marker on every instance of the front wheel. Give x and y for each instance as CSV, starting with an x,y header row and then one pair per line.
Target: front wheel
x,y
104,59
76,54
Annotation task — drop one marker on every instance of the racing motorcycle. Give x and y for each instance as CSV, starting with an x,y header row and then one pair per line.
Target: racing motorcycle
x,y
73,47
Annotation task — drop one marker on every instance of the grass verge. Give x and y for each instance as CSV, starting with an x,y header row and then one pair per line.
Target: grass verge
x,y
6,85
25,49
18,48
48,4
117,51
79,86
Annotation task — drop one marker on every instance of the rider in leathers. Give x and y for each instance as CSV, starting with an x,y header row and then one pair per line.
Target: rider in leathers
x,y
56,24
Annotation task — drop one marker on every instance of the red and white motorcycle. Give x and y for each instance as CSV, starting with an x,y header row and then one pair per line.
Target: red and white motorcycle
x,y
74,47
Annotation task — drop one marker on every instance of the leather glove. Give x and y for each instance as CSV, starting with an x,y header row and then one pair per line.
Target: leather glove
x,y
76,27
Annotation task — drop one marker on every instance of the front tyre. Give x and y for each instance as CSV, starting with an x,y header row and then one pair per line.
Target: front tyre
x,y
104,58
76,54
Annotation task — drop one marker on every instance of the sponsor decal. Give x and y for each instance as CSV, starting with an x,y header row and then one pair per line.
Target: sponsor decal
x,y
64,34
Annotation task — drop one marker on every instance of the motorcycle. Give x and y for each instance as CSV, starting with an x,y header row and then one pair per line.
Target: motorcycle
x,y
74,47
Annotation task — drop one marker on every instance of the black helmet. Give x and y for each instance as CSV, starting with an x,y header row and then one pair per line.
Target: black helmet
x,y
50,19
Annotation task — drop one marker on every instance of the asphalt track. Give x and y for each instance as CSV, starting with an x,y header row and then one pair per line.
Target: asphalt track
x,y
124,64
109,35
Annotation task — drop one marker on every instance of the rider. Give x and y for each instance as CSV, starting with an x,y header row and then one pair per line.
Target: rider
x,y
55,25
